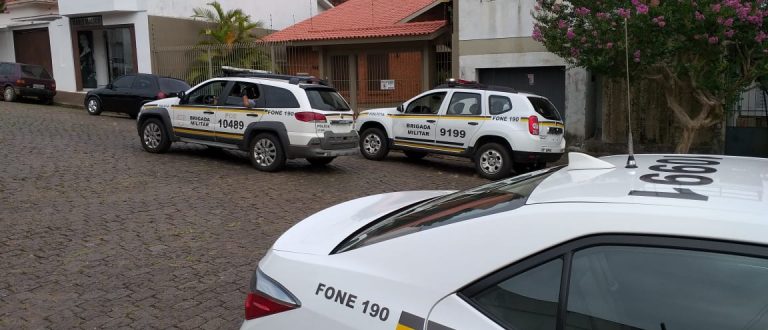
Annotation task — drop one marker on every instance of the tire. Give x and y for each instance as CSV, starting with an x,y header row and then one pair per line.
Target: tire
x,y
374,144
9,94
154,136
266,153
93,106
415,154
320,161
493,161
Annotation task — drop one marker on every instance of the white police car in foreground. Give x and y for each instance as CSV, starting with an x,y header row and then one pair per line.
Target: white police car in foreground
x,y
679,243
272,117
497,127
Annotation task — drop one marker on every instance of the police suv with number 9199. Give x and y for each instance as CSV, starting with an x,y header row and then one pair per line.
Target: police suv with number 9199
x,y
679,242
497,127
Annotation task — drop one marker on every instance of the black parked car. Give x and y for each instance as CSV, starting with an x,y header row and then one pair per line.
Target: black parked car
x,y
128,93
26,80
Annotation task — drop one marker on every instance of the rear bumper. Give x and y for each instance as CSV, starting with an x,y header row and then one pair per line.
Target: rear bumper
x,y
535,157
330,145
34,92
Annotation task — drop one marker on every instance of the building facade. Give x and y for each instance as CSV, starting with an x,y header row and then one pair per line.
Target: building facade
x,y
493,45
86,44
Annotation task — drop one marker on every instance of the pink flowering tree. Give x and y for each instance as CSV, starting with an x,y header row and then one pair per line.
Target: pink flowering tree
x,y
709,50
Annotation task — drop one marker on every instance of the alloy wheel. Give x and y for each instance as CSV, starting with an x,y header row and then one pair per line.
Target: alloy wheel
x,y
372,144
491,161
264,152
153,135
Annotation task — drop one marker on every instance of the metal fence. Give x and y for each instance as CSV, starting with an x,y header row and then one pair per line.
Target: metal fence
x,y
751,110
366,78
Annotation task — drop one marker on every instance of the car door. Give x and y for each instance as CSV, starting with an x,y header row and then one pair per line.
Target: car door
x,y
194,117
461,119
112,96
233,116
415,127
6,72
619,282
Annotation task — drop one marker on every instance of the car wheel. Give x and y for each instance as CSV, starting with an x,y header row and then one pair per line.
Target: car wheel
x,y
9,94
373,144
415,154
493,161
267,153
154,136
93,106
320,161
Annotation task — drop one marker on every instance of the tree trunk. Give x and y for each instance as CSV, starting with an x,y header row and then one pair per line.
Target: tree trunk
x,y
686,139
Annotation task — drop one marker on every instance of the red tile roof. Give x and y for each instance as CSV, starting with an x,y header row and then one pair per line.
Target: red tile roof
x,y
356,19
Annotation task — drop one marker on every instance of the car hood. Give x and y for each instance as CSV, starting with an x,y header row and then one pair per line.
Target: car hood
x,y
321,232
164,102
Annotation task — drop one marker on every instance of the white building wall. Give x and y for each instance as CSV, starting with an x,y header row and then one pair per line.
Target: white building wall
x,y
62,55
495,19
7,52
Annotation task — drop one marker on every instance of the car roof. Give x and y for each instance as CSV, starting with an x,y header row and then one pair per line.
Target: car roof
x,y
571,203
739,183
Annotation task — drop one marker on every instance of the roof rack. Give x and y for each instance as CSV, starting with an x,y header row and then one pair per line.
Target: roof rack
x,y
295,80
453,83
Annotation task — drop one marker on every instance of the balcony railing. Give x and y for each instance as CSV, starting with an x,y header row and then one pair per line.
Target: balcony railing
x,y
10,4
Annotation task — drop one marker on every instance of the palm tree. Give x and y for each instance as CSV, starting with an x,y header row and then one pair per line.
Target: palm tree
x,y
227,42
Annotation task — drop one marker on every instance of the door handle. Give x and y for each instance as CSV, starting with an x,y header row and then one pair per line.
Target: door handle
x,y
208,112
431,121
473,123
252,115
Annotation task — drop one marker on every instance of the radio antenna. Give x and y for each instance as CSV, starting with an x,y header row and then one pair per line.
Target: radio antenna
x,y
631,158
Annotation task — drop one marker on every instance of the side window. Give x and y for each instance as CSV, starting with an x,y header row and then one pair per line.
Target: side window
x,y
143,82
464,104
124,82
614,287
279,97
252,91
427,104
525,301
499,104
207,94
6,69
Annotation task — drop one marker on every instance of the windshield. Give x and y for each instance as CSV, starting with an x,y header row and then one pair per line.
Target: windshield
x,y
465,205
326,99
545,108
34,71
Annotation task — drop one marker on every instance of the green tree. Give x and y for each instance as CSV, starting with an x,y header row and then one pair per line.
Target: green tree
x,y
710,50
227,41
2,6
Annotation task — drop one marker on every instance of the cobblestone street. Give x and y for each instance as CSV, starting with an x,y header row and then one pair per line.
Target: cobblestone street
x,y
97,233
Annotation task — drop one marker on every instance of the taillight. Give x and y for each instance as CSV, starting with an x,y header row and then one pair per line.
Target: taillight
x,y
533,125
161,95
268,297
21,82
53,86
310,117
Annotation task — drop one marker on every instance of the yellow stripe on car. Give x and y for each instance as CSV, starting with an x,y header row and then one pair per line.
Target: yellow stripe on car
x,y
431,147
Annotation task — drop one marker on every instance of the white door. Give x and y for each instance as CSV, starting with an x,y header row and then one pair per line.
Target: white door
x,y
416,126
234,116
460,120
195,118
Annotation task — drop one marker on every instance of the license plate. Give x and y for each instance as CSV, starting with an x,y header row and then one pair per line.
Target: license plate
x,y
38,86
341,122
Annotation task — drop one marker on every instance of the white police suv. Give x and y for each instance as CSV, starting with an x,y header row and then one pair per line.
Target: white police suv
x,y
497,127
681,242
272,117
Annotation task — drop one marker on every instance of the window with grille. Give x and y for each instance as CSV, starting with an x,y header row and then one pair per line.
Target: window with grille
x,y
378,70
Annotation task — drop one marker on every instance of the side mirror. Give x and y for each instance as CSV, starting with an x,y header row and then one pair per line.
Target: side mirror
x,y
400,108
182,97
110,86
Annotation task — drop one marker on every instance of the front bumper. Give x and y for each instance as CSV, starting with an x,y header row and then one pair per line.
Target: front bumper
x,y
536,157
330,145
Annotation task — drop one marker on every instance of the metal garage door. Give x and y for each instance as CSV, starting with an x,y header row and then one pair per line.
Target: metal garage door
x,y
545,81
33,47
